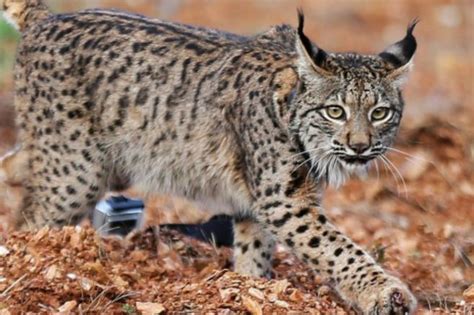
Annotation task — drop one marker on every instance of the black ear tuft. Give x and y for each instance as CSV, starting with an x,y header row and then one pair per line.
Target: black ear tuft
x,y
316,54
402,51
300,21
412,25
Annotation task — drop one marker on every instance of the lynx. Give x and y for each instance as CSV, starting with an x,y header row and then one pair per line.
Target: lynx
x,y
253,126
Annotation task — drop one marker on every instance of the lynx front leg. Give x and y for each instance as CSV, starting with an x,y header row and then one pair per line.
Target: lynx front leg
x,y
253,248
317,242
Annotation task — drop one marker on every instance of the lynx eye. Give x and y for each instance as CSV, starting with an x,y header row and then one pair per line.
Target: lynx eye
x,y
380,113
335,112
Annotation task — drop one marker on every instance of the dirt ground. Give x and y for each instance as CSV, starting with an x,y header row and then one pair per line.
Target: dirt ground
x,y
417,218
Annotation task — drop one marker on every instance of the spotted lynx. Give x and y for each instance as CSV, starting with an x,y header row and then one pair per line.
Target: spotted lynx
x,y
255,126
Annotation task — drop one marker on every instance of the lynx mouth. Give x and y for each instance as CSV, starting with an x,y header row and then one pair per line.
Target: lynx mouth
x,y
356,159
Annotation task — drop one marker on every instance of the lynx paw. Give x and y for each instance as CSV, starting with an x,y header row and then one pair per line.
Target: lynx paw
x,y
392,298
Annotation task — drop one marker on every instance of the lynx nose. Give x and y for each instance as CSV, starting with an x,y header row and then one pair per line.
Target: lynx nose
x,y
359,147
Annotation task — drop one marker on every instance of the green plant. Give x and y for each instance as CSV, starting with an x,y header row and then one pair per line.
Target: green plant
x,y
7,32
129,309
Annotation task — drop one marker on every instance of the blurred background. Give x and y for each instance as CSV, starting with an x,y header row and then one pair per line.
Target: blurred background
x,y
419,219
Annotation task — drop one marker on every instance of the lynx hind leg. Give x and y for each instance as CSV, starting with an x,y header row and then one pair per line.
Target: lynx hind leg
x,y
60,188
253,249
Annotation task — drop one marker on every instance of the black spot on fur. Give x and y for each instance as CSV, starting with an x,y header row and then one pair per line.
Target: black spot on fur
x,y
322,219
302,228
314,242
283,220
302,212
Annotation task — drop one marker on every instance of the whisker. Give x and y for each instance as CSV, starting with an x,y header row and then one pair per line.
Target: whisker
x,y
304,152
310,169
323,168
301,164
387,167
377,170
399,174
410,157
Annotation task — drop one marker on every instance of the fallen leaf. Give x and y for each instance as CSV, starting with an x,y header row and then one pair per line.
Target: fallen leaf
x,y
468,294
95,266
256,293
280,286
296,296
51,273
71,276
4,251
138,256
148,308
40,234
67,307
86,284
252,306
120,282
281,303
228,294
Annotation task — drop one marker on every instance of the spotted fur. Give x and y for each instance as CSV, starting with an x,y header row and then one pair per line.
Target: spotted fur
x,y
244,124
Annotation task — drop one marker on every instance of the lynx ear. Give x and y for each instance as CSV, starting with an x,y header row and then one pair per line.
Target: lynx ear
x,y
400,55
311,59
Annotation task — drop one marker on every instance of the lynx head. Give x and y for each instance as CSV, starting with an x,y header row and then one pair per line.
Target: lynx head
x,y
348,106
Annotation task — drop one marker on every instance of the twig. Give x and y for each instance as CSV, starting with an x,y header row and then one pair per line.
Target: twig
x,y
120,297
4,293
95,300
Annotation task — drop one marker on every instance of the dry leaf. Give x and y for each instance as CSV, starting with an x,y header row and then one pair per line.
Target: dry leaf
x,y
272,297
148,308
138,256
4,251
296,296
40,234
252,306
86,284
282,304
280,286
71,276
120,282
95,266
256,293
51,272
67,307
76,240
228,294
468,295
